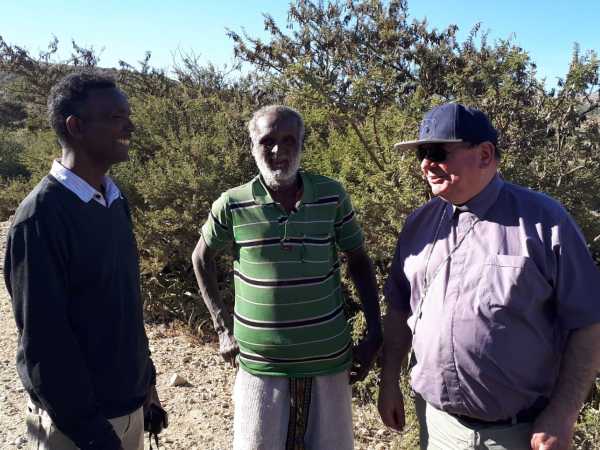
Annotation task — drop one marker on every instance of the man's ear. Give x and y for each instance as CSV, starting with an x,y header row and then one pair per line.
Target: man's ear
x,y
487,152
74,127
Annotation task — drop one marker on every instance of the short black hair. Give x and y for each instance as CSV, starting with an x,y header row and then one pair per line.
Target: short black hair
x,y
69,94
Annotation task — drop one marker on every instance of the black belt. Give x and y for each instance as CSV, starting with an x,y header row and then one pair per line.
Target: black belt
x,y
524,416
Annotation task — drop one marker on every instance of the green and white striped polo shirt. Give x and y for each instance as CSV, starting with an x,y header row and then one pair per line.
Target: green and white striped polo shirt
x,y
288,319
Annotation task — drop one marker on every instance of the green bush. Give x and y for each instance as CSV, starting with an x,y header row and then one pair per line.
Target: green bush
x,y
25,157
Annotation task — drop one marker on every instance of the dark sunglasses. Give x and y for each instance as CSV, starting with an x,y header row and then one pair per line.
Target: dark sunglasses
x,y
434,152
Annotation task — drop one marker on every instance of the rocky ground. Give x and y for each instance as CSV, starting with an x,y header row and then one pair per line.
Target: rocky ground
x,y
200,410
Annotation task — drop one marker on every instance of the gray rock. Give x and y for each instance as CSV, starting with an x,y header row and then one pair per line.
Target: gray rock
x,y
177,380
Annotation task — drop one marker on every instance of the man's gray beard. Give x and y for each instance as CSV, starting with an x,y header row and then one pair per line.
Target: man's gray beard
x,y
277,179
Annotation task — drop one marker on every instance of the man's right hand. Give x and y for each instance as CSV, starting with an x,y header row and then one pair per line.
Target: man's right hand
x,y
228,347
391,405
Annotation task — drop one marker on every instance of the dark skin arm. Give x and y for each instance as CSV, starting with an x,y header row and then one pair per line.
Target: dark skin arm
x,y
361,272
396,345
205,269
553,429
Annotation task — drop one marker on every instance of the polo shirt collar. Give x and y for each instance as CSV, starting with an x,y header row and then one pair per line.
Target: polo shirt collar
x,y
262,195
482,202
260,192
82,188
308,188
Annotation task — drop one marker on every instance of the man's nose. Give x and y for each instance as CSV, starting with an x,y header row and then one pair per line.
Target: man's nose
x,y
275,149
425,163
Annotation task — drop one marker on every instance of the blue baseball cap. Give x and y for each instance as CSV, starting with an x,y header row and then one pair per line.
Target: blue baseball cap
x,y
453,122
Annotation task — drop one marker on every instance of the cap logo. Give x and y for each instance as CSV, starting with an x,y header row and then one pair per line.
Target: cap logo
x,y
427,128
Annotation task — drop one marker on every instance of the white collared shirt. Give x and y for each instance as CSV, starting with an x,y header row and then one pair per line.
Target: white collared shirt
x,y
82,188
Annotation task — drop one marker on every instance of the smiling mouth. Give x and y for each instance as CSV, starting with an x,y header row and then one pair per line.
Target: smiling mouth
x,y
123,141
435,178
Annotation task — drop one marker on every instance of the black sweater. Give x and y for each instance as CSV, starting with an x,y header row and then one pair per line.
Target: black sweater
x,y
72,272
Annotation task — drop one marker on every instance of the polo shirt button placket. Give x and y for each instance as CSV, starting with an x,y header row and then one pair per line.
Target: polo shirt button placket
x,y
285,246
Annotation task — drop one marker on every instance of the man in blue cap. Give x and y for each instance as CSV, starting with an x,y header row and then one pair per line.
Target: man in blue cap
x,y
493,286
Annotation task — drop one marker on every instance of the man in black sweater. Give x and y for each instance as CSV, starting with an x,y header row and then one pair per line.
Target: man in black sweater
x,y
72,272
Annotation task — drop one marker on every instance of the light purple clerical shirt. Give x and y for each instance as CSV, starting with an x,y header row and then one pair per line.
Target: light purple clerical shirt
x,y
507,279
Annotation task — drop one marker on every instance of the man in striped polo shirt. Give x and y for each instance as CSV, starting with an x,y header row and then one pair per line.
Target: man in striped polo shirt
x,y
289,334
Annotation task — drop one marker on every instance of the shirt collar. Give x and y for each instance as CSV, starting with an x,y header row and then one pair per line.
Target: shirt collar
x,y
262,195
82,188
482,202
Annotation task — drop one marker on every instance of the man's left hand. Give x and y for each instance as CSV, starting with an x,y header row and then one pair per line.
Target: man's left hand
x,y
151,405
363,357
551,433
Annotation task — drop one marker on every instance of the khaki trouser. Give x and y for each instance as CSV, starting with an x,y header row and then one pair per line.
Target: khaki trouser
x,y
442,431
42,434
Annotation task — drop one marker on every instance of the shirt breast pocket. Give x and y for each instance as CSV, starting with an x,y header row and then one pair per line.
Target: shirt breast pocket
x,y
512,284
317,247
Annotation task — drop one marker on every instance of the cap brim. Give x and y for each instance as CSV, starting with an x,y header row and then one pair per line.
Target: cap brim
x,y
408,145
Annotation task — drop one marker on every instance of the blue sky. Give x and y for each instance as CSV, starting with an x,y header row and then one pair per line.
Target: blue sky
x,y
126,29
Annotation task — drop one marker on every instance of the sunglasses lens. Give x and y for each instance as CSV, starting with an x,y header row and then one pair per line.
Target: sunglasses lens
x,y
434,153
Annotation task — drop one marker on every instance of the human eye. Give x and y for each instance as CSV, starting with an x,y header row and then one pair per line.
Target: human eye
x,y
121,114
289,140
267,142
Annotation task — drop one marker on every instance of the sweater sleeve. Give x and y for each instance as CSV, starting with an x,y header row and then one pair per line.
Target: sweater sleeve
x,y
50,362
